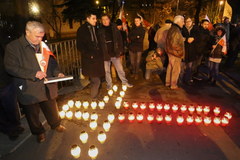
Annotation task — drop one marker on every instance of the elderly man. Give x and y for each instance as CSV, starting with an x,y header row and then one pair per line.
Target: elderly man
x,y
175,51
21,62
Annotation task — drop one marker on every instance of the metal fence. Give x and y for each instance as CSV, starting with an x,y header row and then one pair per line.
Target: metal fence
x,y
68,58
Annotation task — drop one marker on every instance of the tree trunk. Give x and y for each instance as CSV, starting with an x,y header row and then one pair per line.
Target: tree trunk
x,y
198,10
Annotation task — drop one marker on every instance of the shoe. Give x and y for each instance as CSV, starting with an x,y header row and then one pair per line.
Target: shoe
x,y
129,85
167,85
60,128
175,88
198,78
41,138
109,87
136,77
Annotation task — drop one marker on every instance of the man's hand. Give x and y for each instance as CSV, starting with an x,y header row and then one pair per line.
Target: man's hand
x,y
190,39
154,57
40,75
214,46
61,75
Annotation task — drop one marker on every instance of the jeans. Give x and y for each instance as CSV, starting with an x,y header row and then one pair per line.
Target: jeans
x,y
150,71
173,71
188,72
95,84
135,58
9,111
214,70
118,65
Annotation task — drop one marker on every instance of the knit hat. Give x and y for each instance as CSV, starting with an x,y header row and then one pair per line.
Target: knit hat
x,y
119,22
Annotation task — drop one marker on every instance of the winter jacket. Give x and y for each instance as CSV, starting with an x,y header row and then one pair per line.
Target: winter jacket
x,y
153,63
136,37
21,62
203,41
190,48
161,35
117,42
217,52
5,78
91,54
175,42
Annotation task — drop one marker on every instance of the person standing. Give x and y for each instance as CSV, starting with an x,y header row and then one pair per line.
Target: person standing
x,y
91,55
9,112
175,51
189,32
21,62
112,47
136,37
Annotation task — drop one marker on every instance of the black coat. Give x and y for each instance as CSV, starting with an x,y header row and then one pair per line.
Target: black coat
x,y
21,62
4,77
203,41
136,37
190,48
117,42
91,54
217,52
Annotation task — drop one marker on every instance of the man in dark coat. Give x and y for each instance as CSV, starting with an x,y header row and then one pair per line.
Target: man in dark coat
x,y
9,111
112,47
175,50
91,55
21,62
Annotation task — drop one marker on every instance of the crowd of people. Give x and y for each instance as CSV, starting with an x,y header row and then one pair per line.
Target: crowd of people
x,y
176,51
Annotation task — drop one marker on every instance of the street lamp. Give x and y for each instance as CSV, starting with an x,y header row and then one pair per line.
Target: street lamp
x,y
97,2
34,8
221,3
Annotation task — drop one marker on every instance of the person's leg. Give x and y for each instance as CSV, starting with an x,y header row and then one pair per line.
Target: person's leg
x,y
148,74
95,84
169,70
175,72
210,65
216,71
188,74
108,78
138,61
133,61
50,111
118,65
32,116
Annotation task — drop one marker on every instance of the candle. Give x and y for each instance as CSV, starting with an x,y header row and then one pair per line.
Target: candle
x,y
93,124
69,115
175,108
206,110
71,103
151,106
126,105
118,104
78,104
191,109
62,114
102,137
131,117
78,114
121,117
119,99
135,105
168,119
65,108
85,104
75,151
228,115
199,109
180,120
159,107
207,120
150,118
198,120
106,126
225,121
85,116
106,99
217,121
166,107
110,92
122,93
94,116
190,120
124,88
143,106
216,111
101,104
93,152
115,88
159,118
94,105
83,137
183,108
139,117
111,117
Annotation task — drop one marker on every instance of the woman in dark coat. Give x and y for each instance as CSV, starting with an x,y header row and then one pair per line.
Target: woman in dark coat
x,y
136,37
91,55
190,34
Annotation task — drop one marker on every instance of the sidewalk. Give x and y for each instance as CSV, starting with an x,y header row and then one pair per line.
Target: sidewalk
x,y
7,146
